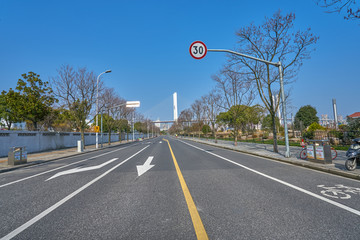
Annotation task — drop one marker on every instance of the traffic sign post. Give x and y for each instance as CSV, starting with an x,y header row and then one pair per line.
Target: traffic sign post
x,y
198,50
97,129
132,104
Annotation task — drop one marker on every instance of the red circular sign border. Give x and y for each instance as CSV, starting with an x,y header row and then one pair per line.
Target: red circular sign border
x,y
202,44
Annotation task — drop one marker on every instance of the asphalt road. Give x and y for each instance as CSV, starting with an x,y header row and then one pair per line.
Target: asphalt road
x,y
186,190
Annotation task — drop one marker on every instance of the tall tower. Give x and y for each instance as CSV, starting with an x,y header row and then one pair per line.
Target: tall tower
x,y
175,106
335,114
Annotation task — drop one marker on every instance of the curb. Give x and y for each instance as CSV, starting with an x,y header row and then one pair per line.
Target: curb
x,y
301,164
58,158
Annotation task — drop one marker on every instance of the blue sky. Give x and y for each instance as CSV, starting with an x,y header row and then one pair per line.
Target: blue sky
x,y
146,44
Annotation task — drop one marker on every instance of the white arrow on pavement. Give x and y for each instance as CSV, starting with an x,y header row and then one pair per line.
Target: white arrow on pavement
x,y
160,142
76,170
141,169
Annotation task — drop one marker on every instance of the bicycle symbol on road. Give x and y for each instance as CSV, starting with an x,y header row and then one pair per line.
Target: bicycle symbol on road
x,y
339,191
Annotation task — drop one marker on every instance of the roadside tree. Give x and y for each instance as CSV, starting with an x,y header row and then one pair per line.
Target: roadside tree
x,y
9,103
114,108
337,6
184,119
212,109
32,102
198,110
274,40
236,92
206,129
267,123
238,117
76,90
353,124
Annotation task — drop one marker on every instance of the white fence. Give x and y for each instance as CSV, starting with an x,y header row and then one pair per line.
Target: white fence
x,y
42,141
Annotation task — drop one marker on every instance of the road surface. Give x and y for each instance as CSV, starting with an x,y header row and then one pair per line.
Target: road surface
x,y
167,188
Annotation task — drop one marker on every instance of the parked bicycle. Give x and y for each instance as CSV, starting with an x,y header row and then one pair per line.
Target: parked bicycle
x,y
303,153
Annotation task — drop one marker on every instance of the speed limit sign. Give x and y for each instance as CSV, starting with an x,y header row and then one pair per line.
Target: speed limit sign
x,y
198,50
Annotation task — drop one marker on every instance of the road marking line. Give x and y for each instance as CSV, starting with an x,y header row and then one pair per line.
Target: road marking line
x,y
62,201
282,182
39,174
195,217
141,169
76,170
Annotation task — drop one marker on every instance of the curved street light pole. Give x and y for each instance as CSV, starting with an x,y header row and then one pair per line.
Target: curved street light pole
x,y
97,105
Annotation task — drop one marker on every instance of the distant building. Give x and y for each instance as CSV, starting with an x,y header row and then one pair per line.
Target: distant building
x,y
355,115
325,121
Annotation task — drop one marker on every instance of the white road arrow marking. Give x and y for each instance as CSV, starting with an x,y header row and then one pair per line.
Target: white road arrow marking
x,y
76,170
141,169
160,142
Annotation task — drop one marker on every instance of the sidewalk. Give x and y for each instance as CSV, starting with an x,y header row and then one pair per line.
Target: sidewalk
x,y
266,150
41,157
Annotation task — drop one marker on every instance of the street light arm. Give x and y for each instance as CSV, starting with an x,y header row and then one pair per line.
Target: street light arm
x,y
243,55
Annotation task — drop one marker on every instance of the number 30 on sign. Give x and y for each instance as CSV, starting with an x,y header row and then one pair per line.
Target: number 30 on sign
x,y
198,50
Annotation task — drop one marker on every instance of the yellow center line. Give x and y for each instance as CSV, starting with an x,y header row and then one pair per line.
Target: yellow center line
x,y
195,217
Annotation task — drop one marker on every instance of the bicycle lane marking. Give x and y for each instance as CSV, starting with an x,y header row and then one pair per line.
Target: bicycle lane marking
x,y
339,191
64,200
194,214
51,170
282,182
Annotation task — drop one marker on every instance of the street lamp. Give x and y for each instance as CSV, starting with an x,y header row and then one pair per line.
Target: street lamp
x,y
97,104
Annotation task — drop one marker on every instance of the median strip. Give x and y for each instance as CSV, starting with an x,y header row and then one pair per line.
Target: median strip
x,y
195,217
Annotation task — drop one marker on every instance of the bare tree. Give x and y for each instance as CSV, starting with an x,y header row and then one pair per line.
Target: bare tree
x,y
113,106
198,110
212,109
274,40
338,6
235,90
76,90
185,119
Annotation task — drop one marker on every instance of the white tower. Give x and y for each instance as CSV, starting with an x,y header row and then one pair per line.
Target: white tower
x,y
175,106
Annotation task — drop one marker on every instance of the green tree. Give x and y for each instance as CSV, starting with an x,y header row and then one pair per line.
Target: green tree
x,y
36,98
253,115
63,121
353,124
236,118
306,115
9,103
206,129
109,123
236,93
138,126
267,123
123,125
311,130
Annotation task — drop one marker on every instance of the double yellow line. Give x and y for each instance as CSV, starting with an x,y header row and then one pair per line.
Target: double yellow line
x,y
195,217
